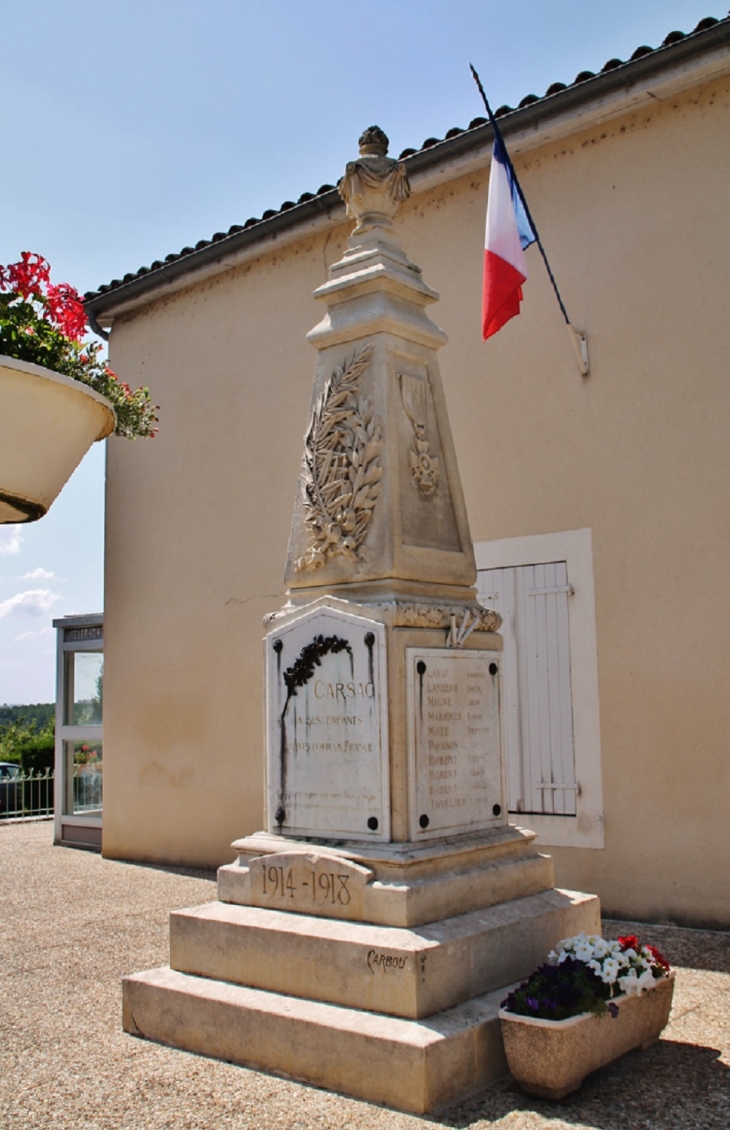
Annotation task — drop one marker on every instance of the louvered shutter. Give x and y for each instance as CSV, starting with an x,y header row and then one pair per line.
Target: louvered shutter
x,y
533,601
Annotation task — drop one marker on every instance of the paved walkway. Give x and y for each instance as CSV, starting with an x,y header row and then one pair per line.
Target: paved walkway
x,y
72,924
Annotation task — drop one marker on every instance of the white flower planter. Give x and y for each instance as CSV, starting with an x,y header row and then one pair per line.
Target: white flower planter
x,y
47,424
551,1058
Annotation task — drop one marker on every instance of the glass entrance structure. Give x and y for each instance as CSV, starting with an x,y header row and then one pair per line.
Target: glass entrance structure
x,y
79,760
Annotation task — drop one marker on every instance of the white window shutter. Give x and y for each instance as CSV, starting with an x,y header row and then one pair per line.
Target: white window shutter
x,y
538,718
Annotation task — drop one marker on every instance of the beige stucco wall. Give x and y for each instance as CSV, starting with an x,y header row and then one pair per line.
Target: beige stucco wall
x,y
197,521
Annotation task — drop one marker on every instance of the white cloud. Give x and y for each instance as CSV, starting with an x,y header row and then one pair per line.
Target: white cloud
x,y
37,575
34,635
11,539
34,602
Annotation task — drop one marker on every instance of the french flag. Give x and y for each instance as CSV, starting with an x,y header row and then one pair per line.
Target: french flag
x,y
509,232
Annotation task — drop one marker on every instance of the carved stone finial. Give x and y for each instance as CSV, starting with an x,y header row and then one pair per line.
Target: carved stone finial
x,y
373,142
374,186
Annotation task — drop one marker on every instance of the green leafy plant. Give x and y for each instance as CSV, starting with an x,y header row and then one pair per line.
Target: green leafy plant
x,y
38,756
28,745
46,324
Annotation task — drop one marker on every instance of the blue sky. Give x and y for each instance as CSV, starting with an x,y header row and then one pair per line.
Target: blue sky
x,y
133,129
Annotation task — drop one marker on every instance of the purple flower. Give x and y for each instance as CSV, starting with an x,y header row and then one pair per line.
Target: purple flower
x,y
533,1004
613,1009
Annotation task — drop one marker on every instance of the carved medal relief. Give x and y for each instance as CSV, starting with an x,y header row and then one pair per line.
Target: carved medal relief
x,y
342,466
425,468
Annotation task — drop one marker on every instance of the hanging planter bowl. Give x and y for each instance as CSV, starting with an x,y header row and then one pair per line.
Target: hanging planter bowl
x,y
47,424
551,1058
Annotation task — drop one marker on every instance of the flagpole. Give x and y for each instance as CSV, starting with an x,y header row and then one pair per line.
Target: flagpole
x,y
578,339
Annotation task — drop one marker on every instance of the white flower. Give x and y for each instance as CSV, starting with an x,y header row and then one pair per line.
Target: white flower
x,y
595,965
569,943
629,983
646,980
584,951
610,971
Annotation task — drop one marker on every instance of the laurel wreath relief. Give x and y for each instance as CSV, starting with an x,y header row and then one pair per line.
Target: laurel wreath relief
x,y
342,466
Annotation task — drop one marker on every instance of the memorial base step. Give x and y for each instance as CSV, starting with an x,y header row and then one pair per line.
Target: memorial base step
x,y
412,972
411,1065
405,1017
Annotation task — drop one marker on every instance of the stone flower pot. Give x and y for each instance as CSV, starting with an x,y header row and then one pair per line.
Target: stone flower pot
x,y
551,1058
47,424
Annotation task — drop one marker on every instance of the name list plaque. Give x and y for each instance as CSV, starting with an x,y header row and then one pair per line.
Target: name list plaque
x,y
456,779
327,727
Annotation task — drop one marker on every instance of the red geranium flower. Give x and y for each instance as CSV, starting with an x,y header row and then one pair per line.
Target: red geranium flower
x,y
629,942
66,309
45,324
29,275
658,958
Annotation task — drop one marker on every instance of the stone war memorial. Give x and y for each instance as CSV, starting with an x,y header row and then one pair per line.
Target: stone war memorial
x,y
364,940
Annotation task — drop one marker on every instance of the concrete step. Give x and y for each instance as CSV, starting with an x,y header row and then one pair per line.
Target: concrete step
x,y
411,1065
401,972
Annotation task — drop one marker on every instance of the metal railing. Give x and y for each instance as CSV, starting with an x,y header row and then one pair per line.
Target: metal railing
x,y
27,794
31,794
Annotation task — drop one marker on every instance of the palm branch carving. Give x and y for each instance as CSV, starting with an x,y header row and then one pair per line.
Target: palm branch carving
x,y
342,466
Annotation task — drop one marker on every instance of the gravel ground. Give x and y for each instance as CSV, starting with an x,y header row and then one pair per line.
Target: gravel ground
x,y
72,924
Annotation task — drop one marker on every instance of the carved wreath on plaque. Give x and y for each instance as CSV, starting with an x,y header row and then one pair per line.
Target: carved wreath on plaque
x,y
342,466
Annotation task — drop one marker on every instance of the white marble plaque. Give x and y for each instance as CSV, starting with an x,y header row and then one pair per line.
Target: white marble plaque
x,y
327,727
456,778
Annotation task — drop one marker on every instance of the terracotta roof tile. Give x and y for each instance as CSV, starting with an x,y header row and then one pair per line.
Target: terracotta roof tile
x,y
673,37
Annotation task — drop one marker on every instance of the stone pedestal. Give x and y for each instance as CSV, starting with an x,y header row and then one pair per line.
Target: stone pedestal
x,y
365,940
407,1017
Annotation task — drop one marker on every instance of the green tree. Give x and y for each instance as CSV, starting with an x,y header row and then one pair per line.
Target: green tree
x,y
26,743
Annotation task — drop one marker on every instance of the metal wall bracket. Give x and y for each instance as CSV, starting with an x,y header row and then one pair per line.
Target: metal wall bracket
x,y
579,342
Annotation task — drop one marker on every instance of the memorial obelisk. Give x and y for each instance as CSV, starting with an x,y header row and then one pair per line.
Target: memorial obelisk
x,y
364,940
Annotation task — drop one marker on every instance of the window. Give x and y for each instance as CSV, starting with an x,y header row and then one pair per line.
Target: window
x,y
79,730
542,586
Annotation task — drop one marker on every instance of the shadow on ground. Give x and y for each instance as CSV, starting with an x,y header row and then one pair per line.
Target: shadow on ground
x,y
170,869
670,1086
